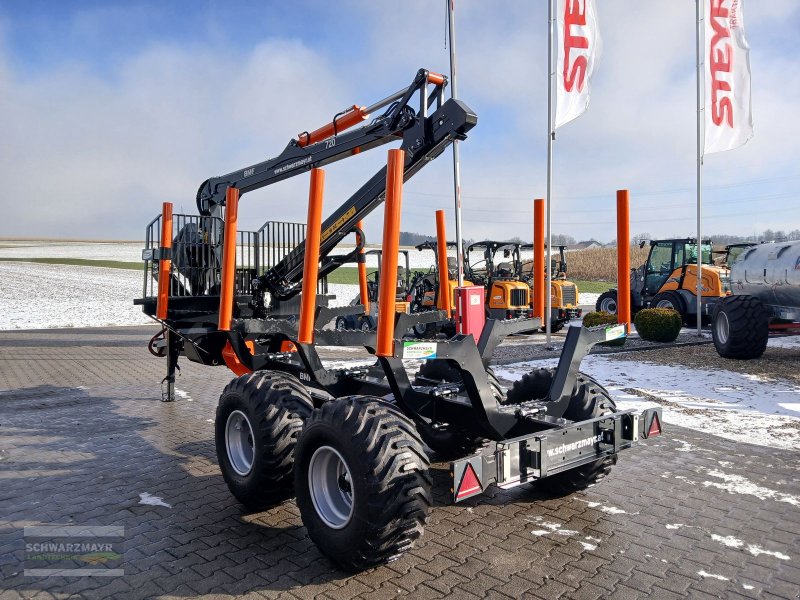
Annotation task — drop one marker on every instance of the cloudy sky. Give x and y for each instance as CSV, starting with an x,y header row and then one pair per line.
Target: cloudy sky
x,y
109,108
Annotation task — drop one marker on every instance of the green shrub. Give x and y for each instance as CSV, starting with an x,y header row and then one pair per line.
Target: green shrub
x,y
658,324
593,319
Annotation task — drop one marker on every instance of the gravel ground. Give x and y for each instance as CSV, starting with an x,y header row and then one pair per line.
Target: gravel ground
x,y
532,347
780,361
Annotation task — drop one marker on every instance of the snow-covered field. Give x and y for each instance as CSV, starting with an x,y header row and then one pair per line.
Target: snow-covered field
x,y
735,406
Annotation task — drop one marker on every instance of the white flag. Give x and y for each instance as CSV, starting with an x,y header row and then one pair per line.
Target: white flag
x,y
579,47
728,113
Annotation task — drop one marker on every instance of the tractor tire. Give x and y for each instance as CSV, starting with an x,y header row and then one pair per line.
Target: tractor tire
x,y
447,441
589,400
259,418
671,300
557,325
607,302
740,327
362,481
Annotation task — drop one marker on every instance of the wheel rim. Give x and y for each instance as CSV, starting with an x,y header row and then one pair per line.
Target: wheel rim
x,y
365,326
722,327
665,304
420,328
608,305
331,488
340,325
239,442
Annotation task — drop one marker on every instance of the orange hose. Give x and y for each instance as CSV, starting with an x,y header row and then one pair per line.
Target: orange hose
x,y
391,248
164,265
308,299
227,291
623,258
362,273
539,280
445,301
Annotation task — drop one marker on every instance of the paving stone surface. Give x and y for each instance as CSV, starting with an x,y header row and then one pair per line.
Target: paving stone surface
x,y
83,434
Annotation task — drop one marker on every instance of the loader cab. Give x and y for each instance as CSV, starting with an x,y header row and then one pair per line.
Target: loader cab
x,y
666,256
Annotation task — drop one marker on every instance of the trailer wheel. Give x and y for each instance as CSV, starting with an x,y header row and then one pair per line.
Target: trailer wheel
x,y
607,302
362,481
740,327
341,324
259,418
448,441
589,400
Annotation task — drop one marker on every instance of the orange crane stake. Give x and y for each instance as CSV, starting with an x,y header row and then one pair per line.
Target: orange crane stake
x,y
308,299
538,259
164,264
623,259
227,291
390,250
445,302
362,273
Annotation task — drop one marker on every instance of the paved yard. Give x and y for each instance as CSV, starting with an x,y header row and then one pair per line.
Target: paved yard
x,y
83,434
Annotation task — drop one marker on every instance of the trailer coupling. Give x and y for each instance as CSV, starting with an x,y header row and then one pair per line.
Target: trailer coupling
x,y
536,456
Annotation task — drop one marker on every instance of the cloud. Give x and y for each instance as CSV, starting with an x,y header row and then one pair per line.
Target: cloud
x,y
93,152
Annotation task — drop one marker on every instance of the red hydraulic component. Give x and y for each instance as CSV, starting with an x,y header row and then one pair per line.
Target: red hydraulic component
x,y
362,272
470,309
623,258
227,290
164,264
308,299
445,302
352,116
391,247
538,259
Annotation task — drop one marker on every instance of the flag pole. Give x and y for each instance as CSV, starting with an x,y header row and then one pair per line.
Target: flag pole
x,y
700,149
551,136
451,9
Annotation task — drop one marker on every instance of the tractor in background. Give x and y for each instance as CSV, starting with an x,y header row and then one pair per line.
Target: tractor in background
x,y
668,279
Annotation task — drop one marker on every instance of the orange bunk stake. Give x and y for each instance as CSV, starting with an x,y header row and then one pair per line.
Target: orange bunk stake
x,y
227,291
445,302
308,299
164,264
362,272
539,281
352,116
391,248
623,259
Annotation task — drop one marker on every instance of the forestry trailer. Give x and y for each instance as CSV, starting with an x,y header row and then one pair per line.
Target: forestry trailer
x,y
348,442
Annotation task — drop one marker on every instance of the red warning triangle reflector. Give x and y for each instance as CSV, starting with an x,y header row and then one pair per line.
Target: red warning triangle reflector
x,y
655,426
470,485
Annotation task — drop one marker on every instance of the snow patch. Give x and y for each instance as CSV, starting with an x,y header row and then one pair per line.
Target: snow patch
x,y
729,540
712,576
748,587
756,550
736,484
675,526
183,395
149,499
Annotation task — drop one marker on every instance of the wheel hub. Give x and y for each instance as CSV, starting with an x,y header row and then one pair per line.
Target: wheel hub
x,y
722,326
330,484
239,442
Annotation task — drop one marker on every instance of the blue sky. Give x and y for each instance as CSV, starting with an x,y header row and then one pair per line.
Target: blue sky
x,y
110,108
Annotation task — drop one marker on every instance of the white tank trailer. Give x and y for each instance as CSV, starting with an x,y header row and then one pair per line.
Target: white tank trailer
x,y
765,295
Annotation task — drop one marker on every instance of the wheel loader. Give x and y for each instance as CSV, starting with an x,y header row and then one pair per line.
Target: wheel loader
x,y
495,266
349,444
564,295
668,279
